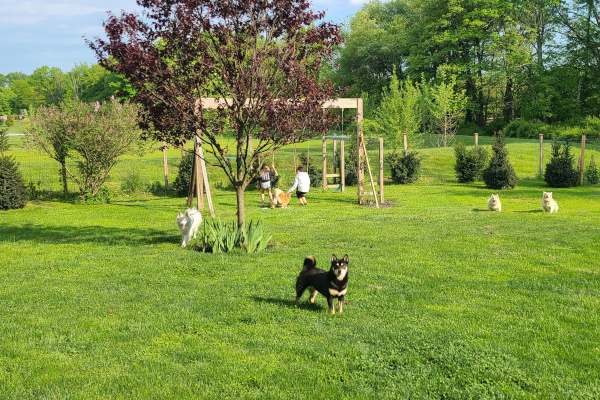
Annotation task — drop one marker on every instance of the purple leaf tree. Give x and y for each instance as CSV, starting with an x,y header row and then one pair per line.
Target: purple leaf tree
x,y
260,60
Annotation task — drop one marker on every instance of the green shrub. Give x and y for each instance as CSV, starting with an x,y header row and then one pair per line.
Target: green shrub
x,y
469,163
592,175
404,168
524,129
560,171
13,190
184,175
500,173
468,128
132,180
4,144
496,125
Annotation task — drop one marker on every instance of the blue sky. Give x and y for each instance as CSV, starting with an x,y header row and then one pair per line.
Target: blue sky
x,y
34,33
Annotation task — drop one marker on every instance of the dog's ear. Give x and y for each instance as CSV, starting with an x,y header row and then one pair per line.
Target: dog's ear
x,y
333,258
346,258
179,214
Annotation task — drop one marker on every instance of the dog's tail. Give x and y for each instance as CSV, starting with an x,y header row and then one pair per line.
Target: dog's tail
x,y
309,263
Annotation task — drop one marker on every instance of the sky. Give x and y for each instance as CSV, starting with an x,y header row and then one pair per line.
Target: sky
x,y
34,33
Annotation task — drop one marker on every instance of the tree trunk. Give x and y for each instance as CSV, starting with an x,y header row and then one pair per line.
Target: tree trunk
x,y
241,207
64,177
508,101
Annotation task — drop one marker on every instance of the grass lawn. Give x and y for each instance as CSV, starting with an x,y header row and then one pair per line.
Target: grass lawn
x,y
445,299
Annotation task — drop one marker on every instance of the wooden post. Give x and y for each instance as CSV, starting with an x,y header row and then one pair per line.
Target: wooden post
x,y
370,173
342,167
192,186
541,155
405,143
199,175
476,141
165,162
360,166
324,183
206,185
334,154
381,170
582,159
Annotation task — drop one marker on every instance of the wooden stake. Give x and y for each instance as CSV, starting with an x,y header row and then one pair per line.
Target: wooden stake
x,y
582,159
164,149
370,174
476,141
381,169
324,183
405,143
541,154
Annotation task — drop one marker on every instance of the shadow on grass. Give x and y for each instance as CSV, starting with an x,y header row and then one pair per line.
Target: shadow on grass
x,y
90,234
290,303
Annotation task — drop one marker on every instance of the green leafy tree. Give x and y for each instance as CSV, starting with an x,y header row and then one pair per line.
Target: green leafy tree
x,y
448,108
499,173
399,113
10,120
49,85
24,95
94,135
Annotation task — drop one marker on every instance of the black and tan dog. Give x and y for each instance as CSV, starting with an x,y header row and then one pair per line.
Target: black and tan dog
x,y
331,284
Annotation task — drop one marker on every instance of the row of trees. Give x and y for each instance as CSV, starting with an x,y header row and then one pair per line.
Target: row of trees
x,y
46,86
530,59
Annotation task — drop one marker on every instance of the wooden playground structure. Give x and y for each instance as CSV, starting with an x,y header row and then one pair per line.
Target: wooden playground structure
x,y
199,183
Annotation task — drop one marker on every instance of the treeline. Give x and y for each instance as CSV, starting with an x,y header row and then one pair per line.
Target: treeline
x,y
532,60
19,93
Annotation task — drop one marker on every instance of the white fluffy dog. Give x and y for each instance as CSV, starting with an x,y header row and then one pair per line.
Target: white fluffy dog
x,y
188,224
548,203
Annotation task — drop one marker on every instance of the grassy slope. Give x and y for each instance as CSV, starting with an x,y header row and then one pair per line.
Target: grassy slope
x,y
445,299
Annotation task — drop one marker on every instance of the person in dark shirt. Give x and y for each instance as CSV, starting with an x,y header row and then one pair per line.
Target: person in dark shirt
x,y
266,180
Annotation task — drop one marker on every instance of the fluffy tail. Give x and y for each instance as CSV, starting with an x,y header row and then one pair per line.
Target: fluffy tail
x,y
309,263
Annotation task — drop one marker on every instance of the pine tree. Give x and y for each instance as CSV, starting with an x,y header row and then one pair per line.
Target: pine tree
x,y
500,173
560,171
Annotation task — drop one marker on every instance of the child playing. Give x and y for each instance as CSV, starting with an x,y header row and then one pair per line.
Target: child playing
x,y
302,182
266,178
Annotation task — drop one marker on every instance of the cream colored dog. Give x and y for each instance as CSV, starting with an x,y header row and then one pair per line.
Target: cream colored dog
x,y
494,204
548,203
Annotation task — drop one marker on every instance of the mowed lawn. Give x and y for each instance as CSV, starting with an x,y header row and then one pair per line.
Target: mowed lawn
x,y
445,299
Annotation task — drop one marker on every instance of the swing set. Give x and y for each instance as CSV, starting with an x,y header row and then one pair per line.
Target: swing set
x,y
200,183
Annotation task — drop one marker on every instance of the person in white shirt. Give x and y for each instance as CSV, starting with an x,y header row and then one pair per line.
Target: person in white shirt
x,y
302,182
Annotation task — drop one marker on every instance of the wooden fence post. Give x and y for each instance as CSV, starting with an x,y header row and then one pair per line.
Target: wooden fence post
x,y
541,154
324,183
582,159
476,141
165,161
381,170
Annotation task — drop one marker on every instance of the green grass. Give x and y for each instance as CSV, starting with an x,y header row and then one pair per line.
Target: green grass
x,y
445,300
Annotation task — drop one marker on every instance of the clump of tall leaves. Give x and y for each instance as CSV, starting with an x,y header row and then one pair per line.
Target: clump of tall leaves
x,y
560,172
469,162
222,237
93,135
499,173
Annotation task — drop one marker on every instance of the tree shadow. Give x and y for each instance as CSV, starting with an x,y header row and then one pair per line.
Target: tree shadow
x,y
44,234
